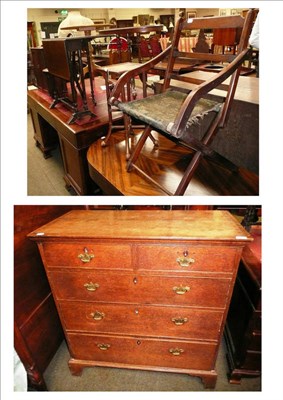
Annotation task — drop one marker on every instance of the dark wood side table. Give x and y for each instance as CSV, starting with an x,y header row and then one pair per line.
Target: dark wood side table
x,y
63,58
243,325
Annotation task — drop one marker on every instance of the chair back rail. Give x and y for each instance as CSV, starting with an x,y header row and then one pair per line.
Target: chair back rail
x,y
235,21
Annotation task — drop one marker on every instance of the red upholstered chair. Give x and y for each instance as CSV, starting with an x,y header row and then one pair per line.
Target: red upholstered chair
x,y
144,48
154,44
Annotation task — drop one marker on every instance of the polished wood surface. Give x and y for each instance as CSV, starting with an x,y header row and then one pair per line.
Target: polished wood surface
x,y
247,88
166,165
196,224
120,278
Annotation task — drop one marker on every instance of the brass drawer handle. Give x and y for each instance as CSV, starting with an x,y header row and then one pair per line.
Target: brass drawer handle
x,y
181,289
103,346
86,257
97,315
176,351
91,286
179,320
185,261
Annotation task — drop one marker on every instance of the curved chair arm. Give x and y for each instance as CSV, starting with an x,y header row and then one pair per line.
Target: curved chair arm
x,y
144,68
178,128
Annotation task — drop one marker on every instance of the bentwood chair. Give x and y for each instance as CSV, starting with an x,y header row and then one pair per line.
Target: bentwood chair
x,y
178,113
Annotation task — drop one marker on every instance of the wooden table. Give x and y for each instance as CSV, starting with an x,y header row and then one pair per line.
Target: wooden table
x,y
86,28
51,124
63,59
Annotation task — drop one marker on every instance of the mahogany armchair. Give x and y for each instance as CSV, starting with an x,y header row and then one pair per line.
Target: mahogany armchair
x,y
178,113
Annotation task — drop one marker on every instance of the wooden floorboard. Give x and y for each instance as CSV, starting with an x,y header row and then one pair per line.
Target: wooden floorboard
x,y
165,164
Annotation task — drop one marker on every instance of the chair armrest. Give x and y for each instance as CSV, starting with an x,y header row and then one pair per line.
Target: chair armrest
x,y
142,69
177,129
98,70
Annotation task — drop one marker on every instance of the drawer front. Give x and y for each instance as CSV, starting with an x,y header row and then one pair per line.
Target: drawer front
x,y
130,288
186,258
176,322
143,351
87,255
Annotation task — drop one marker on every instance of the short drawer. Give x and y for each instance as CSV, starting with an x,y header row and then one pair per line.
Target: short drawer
x,y
101,286
179,257
143,351
87,255
175,322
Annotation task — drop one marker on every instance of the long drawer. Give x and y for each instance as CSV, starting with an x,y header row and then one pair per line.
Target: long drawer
x,y
176,322
143,351
129,288
179,257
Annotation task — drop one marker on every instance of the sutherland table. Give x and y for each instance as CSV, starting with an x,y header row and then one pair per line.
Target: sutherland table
x,y
143,289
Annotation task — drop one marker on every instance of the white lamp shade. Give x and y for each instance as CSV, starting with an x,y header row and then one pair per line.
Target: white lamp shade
x,y
74,18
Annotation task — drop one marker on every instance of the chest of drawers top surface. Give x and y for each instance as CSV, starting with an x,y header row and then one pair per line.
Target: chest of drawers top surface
x,y
145,224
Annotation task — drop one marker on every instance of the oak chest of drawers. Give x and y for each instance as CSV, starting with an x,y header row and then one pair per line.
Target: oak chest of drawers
x,y
143,289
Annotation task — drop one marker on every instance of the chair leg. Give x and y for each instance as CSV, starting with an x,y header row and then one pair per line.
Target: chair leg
x,y
128,132
188,174
110,127
209,153
138,148
152,138
205,152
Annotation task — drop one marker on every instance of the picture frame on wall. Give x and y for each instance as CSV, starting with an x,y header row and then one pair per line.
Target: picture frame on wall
x,y
191,14
143,19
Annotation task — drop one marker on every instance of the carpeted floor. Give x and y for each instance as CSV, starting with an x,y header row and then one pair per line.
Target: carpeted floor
x,y
101,379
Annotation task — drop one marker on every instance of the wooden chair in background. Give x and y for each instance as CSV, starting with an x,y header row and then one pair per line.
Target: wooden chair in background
x,y
183,116
227,39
